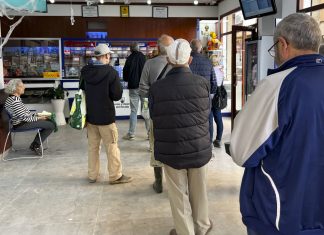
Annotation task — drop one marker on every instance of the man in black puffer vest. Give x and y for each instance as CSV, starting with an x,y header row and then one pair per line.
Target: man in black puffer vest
x,y
179,108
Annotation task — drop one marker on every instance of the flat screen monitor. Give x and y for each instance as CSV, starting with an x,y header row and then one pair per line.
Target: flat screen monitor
x,y
257,8
27,5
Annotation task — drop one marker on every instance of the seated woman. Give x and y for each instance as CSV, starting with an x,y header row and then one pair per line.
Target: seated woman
x,y
22,118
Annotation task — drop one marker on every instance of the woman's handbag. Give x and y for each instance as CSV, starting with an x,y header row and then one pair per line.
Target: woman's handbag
x,y
219,100
78,111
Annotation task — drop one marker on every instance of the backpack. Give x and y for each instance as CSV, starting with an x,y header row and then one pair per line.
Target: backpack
x,y
219,100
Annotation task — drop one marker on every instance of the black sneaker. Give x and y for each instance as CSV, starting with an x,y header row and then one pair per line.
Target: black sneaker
x,y
37,149
217,143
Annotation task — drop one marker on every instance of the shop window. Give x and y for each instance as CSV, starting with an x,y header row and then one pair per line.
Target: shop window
x,y
303,4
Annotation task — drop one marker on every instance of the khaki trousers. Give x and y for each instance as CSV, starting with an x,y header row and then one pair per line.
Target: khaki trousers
x,y
108,135
188,199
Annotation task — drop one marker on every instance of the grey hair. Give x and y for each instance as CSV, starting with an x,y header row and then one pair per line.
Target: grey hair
x,y
11,86
321,50
196,45
134,47
300,30
162,43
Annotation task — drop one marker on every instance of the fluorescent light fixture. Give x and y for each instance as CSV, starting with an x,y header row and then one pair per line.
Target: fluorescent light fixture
x,y
196,2
102,1
149,2
52,1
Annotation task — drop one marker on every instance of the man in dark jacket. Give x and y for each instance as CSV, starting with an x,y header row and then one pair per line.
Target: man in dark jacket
x,y
179,107
132,73
102,86
202,66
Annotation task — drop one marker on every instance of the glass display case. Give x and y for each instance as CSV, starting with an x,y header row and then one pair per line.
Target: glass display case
x,y
32,58
77,53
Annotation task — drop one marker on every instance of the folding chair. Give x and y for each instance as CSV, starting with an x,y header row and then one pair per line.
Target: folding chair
x,y
13,131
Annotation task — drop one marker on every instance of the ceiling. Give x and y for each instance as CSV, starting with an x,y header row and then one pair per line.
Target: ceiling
x,y
144,2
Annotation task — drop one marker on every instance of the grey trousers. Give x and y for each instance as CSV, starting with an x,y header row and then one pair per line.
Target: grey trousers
x,y
47,129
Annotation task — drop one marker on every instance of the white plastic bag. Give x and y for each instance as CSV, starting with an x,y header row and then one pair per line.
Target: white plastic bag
x,y
145,109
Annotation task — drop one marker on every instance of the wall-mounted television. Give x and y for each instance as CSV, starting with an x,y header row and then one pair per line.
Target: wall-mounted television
x,y
257,8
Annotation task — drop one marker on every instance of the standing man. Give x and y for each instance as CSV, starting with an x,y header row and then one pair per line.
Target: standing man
x,y
154,69
132,73
278,137
179,107
102,86
202,66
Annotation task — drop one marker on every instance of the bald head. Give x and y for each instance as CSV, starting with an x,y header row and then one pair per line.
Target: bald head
x,y
163,42
196,45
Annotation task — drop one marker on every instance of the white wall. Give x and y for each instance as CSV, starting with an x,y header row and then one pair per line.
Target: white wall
x,y
227,5
134,11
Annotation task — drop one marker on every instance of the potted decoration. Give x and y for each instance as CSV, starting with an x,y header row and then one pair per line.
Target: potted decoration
x,y
57,96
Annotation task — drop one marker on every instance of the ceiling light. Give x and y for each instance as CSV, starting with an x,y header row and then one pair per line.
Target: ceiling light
x,y
149,2
196,2
52,1
102,1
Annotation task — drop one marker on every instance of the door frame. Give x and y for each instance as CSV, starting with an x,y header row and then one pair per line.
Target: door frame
x,y
235,30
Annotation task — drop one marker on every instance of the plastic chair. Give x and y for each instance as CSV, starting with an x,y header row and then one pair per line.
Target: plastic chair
x,y
13,131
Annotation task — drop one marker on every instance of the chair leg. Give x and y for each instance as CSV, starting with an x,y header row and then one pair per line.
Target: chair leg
x,y
4,148
13,135
41,143
18,158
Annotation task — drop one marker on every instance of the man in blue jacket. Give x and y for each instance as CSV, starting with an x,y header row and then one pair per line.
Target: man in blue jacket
x,y
202,66
278,137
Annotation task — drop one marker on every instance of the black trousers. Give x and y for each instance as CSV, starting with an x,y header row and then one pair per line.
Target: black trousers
x,y
47,129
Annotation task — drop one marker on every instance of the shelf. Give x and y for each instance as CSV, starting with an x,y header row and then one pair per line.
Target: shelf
x,y
39,85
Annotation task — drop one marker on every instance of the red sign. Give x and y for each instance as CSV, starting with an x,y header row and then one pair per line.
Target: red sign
x,y
79,44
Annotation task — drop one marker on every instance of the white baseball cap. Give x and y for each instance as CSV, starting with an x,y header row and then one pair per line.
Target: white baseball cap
x,y
102,49
179,51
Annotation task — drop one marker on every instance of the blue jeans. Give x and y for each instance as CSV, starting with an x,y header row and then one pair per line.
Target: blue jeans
x,y
134,99
217,114
251,232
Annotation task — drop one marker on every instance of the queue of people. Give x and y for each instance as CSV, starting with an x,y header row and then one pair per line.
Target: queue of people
x,y
277,136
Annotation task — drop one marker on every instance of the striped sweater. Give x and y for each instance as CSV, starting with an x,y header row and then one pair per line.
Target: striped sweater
x,y
18,111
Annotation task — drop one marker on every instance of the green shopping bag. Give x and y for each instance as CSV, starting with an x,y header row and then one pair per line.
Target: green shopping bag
x,y
78,112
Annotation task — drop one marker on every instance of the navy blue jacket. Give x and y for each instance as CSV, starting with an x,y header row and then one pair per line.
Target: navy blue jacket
x,y
202,66
279,138
179,108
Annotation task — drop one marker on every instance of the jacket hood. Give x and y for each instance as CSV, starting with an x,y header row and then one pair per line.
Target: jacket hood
x,y
94,74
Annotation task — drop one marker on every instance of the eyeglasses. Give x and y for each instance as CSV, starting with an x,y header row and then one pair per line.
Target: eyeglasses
x,y
272,51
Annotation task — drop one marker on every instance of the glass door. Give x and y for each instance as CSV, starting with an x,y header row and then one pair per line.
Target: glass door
x,y
238,88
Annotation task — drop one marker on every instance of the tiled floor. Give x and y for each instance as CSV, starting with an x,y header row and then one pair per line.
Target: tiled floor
x,y
52,196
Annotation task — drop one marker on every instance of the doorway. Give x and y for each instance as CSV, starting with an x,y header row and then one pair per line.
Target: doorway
x,y
238,85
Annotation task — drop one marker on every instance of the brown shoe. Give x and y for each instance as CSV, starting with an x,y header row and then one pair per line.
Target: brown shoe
x,y
173,232
122,180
